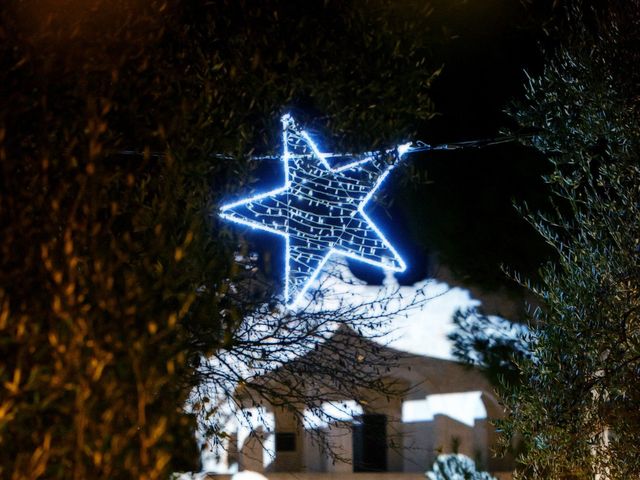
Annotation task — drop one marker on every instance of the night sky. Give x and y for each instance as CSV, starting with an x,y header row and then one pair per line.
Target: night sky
x,y
468,211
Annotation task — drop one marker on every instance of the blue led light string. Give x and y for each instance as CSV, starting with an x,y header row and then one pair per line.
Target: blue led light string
x,y
320,210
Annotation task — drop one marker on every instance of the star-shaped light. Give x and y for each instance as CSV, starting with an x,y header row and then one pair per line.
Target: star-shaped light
x,y
320,210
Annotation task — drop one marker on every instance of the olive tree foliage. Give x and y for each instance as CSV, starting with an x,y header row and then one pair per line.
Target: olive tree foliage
x,y
116,277
577,407
493,344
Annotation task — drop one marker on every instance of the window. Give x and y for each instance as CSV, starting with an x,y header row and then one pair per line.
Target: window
x,y
285,442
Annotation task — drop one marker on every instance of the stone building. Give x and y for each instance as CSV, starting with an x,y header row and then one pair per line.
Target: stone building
x,y
375,438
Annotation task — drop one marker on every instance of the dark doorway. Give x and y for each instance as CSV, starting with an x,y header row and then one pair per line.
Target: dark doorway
x,y
370,443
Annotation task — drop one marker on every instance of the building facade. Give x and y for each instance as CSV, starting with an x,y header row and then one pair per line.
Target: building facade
x,y
376,436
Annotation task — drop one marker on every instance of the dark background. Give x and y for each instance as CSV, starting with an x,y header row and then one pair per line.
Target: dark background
x,y
465,218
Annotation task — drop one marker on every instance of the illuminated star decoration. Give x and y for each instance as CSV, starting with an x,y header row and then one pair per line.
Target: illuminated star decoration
x,y
320,210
